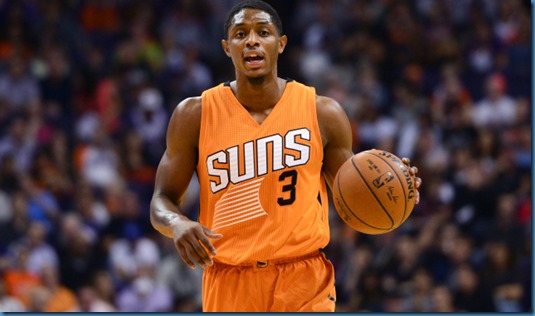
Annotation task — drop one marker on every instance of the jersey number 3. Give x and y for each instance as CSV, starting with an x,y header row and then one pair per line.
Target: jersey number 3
x,y
289,187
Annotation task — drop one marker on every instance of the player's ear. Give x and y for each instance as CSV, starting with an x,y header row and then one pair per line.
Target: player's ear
x,y
282,43
224,44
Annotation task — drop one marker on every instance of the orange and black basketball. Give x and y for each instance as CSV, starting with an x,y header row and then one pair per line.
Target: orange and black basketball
x,y
374,192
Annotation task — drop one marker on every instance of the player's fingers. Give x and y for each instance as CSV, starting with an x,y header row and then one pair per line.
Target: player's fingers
x,y
199,253
406,161
212,234
184,255
191,253
414,170
207,244
418,182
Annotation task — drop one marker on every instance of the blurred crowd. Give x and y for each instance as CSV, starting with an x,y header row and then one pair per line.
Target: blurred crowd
x,y
87,88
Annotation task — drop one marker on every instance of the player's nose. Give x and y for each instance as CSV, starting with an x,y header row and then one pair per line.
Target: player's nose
x,y
252,40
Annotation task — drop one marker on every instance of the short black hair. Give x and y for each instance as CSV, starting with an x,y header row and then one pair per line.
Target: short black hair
x,y
253,4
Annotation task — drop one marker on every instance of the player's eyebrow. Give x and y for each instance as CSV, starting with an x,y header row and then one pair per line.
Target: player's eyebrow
x,y
264,22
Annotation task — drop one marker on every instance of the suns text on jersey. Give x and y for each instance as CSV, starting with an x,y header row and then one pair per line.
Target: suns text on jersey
x,y
287,151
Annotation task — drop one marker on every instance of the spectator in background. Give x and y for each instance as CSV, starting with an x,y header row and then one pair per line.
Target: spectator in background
x,y
507,24
404,262
138,163
131,252
198,75
91,303
470,294
17,86
442,300
517,52
496,109
375,129
8,303
144,293
108,104
506,223
41,254
149,119
38,126
51,177
149,115
126,211
449,98
418,292
99,161
354,270
481,45
60,298
19,224
9,175
20,282
91,209
147,49
42,205
57,89
75,242
499,274
104,287
184,283
37,300
18,143
6,209
408,109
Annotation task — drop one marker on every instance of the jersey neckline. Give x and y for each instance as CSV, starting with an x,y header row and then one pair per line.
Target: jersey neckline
x,y
234,102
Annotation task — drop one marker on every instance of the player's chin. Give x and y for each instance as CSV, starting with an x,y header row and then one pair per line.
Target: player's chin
x,y
255,71
256,75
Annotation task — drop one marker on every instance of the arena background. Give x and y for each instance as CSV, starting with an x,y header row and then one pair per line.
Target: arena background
x,y
87,87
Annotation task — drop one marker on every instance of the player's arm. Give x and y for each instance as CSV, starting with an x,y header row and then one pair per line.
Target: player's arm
x,y
172,179
336,135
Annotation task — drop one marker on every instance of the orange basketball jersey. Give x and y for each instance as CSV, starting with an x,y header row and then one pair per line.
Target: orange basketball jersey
x,y
261,184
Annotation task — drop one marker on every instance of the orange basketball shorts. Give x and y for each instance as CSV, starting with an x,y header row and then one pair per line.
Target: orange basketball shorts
x,y
302,284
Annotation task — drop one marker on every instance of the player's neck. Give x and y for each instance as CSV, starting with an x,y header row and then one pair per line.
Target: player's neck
x,y
258,93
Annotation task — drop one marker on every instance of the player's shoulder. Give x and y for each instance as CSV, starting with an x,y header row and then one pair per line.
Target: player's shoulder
x,y
332,119
184,125
327,107
187,114
189,105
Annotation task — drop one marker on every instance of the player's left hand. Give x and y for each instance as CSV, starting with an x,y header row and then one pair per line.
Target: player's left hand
x,y
417,180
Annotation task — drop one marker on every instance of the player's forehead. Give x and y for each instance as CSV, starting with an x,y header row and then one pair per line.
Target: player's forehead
x,y
251,16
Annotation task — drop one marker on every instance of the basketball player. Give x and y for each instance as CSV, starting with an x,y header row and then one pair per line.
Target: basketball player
x,y
263,149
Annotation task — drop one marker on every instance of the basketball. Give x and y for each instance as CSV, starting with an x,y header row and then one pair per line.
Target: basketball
x,y
373,192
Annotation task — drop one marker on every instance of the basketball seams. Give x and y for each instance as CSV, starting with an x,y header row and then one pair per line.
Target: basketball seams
x,y
347,206
400,180
374,195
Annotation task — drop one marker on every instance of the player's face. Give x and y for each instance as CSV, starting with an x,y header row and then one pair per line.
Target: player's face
x,y
254,43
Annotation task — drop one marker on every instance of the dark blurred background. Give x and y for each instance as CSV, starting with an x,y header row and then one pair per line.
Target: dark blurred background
x,y
87,88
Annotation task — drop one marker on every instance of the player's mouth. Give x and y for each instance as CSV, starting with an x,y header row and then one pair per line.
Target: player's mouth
x,y
253,60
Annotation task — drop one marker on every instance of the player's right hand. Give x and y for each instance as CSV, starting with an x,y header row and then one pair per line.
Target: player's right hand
x,y
192,242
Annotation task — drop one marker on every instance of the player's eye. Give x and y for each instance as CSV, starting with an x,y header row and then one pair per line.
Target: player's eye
x,y
263,33
239,34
